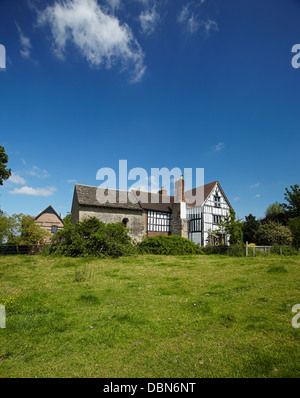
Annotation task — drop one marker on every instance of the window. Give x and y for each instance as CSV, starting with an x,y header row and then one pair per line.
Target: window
x,y
217,219
53,229
217,201
195,225
159,222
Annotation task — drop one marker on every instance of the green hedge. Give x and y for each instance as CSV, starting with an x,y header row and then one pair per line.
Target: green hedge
x,y
169,245
92,238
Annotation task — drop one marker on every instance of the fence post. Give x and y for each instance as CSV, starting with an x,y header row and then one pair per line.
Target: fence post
x,y
247,249
280,250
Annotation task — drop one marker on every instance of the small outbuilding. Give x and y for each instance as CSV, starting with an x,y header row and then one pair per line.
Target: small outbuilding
x,y
49,220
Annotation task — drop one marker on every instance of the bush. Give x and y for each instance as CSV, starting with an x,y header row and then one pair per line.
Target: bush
x,y
170,245
92,238
272,233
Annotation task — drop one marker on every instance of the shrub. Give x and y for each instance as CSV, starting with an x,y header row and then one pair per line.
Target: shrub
x,y
272,233
92,238
170,245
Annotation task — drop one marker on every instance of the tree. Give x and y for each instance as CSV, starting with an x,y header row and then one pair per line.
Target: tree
x,y
292,197
272,234
31,233
250,227
4,172
233,227
20,229
276,213
294,225
274,209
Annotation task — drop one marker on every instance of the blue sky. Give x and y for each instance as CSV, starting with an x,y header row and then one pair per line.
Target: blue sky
x,y
189,84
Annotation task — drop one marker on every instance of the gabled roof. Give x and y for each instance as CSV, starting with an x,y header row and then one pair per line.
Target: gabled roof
x,y
203,193
154,201
50,210
88,196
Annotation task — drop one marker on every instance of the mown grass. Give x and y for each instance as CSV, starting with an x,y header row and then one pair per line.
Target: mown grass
x,y
150,316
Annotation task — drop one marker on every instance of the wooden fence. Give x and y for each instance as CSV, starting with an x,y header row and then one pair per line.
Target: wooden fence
x,y
20,249
264,249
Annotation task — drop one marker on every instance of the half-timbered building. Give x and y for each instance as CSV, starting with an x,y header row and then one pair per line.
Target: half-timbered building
x,y
151,214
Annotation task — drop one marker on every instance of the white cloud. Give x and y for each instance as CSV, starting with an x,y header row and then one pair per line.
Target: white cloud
x,y
17,179
148,20
189,17
48,191
236,198
100,38
114,4
258,195
25,43
72,181
37,172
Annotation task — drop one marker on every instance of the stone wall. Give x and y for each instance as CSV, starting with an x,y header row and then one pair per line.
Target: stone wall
x,y
136,220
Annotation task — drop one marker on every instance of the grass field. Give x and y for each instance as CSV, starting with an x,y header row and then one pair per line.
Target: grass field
x,y
150,316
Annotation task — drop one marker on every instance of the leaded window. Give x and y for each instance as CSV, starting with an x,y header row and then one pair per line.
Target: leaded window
x,y
159,221
217,201
217,219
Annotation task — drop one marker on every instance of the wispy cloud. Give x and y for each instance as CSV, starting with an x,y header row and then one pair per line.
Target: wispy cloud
x,y
39,173
236,198
258,195
190,18
149,20
99,37
219,147
48,191
15,178
256,185
25,43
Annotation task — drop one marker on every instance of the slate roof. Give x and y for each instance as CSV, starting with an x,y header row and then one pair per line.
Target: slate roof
x,y
154,201
203,194
87,196
138,200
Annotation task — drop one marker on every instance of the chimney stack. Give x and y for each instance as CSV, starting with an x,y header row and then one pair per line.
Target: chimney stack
x,y
162,191
179,190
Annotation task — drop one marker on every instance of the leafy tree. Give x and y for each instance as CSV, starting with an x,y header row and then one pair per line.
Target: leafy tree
x,y
67,218
20,229
275,213
292,197
233,227
250,227
31,233
294,225
272,234
274,209
5,173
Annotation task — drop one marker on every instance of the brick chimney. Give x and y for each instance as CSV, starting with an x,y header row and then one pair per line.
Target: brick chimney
x,y
162,191
179,190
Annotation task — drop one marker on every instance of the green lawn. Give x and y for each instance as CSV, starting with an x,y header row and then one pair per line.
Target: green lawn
x,y
150,316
